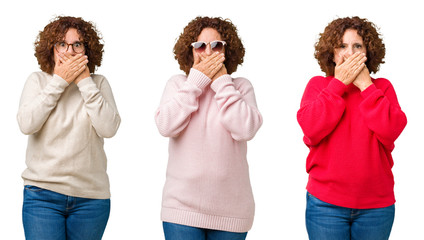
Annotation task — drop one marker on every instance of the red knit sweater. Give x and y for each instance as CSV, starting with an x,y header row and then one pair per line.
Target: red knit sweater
x,y
350,135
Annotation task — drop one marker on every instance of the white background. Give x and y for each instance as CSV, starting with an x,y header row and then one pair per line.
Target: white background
x,y
278,37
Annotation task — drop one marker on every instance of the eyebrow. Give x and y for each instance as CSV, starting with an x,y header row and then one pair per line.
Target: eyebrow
x,y
72,43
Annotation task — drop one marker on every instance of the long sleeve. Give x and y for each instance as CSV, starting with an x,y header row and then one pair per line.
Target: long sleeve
x,y
237,107
38,101
100,106
321,108
382,113
179,101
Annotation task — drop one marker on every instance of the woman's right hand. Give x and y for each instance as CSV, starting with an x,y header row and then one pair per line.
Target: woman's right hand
x,y
70,67
347,70
209,65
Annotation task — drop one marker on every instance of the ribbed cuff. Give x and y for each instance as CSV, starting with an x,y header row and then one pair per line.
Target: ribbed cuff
x,y
197,78
202,220
221,81
369,91
60,82
336,86
85,82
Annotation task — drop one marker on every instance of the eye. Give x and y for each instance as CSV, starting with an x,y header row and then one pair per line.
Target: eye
x,y
358,45
77,44
62,44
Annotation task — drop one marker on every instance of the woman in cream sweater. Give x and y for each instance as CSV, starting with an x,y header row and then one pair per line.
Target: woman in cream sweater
x,y
67,111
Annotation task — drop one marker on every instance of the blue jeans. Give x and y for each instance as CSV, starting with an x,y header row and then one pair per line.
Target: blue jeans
x,y
181,232
49,215
330,222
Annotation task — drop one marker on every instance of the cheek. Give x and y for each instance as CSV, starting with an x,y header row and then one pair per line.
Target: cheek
x,y
336,56
55,55
195,56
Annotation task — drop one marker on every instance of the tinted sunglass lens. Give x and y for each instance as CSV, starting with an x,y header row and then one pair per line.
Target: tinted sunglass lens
x,y
217,46
200,46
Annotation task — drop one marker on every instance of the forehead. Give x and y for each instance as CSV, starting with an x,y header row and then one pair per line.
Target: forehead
x,y
351,35
72,35
209,34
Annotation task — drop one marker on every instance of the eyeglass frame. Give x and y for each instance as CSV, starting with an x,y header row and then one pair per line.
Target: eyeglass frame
x,y
70,44
209,43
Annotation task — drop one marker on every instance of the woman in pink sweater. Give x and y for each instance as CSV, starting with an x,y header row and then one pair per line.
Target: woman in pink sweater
x,y
209,117
350,122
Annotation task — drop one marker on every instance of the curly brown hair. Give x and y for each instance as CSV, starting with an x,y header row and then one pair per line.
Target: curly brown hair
x,y
56,30
332,38
234,50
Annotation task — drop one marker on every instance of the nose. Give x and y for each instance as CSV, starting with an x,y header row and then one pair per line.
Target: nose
x,y
70,50
349,52
208,50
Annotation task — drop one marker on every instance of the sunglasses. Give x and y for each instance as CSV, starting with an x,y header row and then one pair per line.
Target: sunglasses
x,y
216,45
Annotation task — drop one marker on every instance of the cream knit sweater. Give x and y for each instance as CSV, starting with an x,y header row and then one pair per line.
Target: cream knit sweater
x,y
66,124
207,183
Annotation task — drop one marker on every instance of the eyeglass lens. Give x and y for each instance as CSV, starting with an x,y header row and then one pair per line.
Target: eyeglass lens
x,y
78,47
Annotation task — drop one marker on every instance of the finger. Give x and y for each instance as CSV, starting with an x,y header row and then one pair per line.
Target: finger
x,y
360,61
215,59
64,56
352,59
212,56
220,58
77,65
79,70
80,60
357,59
216,69
202,56
216,66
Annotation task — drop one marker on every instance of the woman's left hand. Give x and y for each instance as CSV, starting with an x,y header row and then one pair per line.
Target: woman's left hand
x,y
84,74
222,71
363,80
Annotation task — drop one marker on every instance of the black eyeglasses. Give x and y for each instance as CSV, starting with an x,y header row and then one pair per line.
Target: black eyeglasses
x,y
78,47
216,45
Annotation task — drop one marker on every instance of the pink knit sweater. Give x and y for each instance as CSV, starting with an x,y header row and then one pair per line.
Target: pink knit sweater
x,y
208,124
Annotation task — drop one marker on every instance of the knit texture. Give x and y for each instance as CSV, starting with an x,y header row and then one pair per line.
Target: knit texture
x,y
66,124
350,135
207,181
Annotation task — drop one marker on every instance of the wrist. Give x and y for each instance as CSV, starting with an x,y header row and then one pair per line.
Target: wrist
x,y
364,86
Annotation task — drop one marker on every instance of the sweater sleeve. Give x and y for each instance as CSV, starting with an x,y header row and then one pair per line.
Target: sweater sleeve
x,y
100,106
179,101
237,107
321,109
383,114
37,102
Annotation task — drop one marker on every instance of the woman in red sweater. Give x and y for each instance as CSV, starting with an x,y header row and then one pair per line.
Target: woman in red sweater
x,y
350,122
